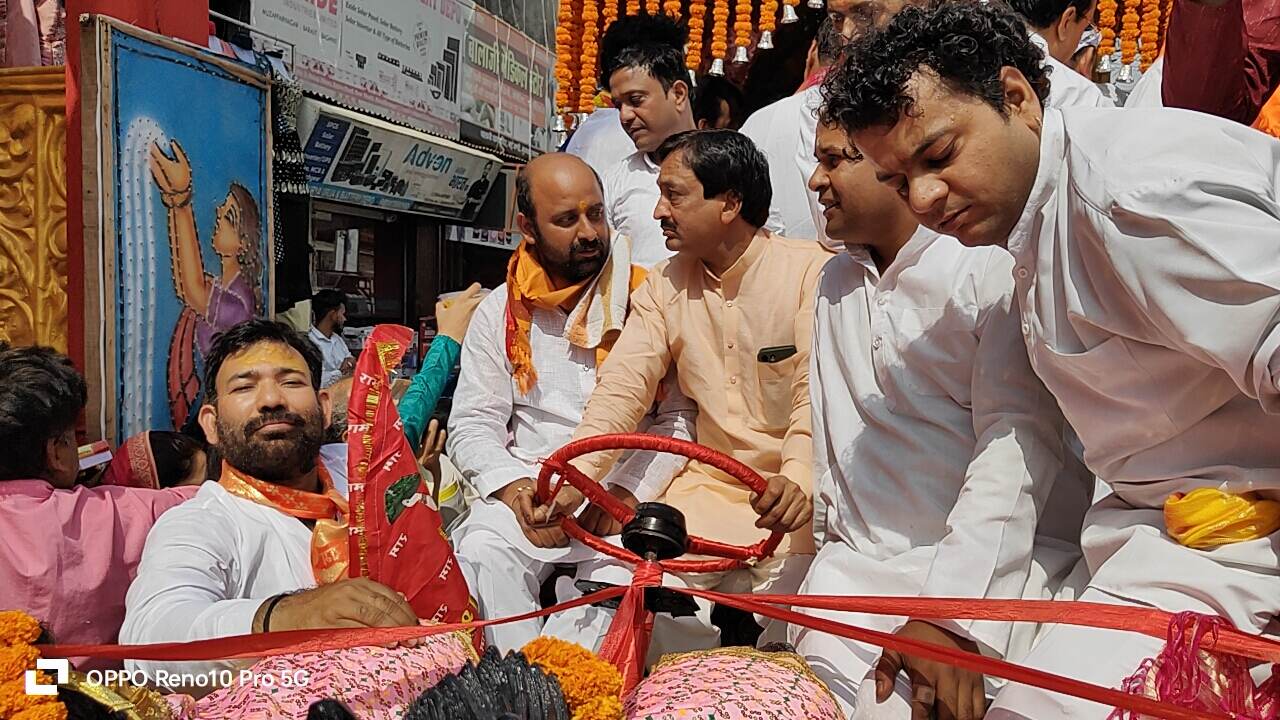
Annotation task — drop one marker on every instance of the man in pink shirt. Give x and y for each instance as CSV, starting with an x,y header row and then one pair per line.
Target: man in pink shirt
x,y
69,552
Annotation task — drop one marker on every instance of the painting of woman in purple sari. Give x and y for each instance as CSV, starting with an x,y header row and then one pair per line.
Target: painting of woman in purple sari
x,y
213,298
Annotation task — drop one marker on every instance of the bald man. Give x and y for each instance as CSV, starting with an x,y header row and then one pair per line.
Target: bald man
x,y
529,365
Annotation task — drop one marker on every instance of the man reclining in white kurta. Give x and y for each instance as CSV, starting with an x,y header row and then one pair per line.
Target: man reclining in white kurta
x,y
938,455
528,367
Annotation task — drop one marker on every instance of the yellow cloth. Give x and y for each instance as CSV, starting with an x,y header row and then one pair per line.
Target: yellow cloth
x,y
1207,518
711,330
596,315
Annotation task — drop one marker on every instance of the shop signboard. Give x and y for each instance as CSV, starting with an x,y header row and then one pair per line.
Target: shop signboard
x,y
400,59
500,239
507,92
361,160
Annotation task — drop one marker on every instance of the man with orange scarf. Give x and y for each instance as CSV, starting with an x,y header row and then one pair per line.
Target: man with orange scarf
x,y
243,552
529,364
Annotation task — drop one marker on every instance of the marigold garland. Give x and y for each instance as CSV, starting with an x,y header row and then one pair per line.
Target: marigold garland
x,y
633,7
720,29
1150,37
566,36
592,687
697,27
18,631
672,8
768,15
587,83
1129,32
1107,27
610,13
742,23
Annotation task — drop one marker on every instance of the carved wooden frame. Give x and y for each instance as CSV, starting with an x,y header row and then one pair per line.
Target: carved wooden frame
x,y
97,102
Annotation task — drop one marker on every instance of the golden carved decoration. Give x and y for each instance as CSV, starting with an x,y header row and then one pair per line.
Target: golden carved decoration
x,y
33,207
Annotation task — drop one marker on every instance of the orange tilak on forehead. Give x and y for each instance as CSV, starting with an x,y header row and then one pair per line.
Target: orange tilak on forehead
x,y
274,354
582,206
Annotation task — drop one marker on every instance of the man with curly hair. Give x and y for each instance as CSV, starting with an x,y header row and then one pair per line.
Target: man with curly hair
x,y
1145,248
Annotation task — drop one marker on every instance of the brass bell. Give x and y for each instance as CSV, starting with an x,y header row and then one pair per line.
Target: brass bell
x,y
766,40
740,55
789,15
717,67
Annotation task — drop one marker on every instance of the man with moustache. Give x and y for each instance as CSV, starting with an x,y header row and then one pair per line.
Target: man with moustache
x,y
917,354
1145,248
246,554
731,314
529,363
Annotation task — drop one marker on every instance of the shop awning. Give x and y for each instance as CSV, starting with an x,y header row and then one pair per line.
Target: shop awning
x,y
362,160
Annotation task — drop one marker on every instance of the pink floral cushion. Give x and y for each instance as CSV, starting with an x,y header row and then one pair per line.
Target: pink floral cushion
x,y
732,684
375,683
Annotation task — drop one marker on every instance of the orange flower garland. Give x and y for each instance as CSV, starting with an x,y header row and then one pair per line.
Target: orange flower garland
x,y
610,12
1150,45
566,34
720,29
1129,33
672,8
742,23
1107,26
18,631
587,82
697,25
592,687
768,16
633,7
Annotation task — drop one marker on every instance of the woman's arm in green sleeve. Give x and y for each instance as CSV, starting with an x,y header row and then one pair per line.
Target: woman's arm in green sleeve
x,y
420,400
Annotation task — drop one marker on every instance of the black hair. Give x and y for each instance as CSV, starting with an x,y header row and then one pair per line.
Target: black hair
x,y
174,454
41,396
524,191
653,43
1044,13
248,334
326,301
830,42
707,96
966,44
726,161
496,687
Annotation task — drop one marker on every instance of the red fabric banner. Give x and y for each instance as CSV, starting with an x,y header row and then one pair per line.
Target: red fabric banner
x,y
396,535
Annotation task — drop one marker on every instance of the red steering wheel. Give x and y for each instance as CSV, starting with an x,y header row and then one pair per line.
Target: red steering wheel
x,y
730,557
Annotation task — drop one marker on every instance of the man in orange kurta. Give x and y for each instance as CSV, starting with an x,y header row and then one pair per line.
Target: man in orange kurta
x,y
733,313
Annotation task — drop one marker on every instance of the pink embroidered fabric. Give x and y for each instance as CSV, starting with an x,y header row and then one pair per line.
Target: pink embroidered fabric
x,y
375,683
732,684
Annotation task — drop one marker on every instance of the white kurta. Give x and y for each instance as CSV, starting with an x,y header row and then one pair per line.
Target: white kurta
x,y
785,131
207,566
1068,88
1148,275
498,436
935,447
631,195
334,351
1148,91
601,142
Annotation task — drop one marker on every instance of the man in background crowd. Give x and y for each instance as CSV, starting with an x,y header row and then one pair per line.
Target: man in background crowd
x,y
330,310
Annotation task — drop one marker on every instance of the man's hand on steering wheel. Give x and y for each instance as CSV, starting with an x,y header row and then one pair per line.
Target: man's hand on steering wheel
x,y
783,507
597,521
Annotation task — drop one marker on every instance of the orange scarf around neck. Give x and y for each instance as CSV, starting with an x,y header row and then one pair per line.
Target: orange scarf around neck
x,y
329,543
529,286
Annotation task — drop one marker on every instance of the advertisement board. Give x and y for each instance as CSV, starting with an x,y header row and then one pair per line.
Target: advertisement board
x,y
361,160
507,91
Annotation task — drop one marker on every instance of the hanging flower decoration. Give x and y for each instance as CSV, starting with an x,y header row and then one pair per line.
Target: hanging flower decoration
x,y
566,35
742,24
768,16
590,56
672,8
633,7
1129,33
1150,37
610,12
592,687
18,631
720,30
1107,27
697,27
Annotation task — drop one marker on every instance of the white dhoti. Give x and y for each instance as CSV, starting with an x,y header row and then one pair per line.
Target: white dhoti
x,y
847,666
1136,563
587,626
505,571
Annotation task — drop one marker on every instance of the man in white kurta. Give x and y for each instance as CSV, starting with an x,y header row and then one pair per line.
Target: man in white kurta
x,y
1145,270
499,432
936,448
601,142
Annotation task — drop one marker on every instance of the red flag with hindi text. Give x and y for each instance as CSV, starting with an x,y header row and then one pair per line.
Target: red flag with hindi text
x,y
396,535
